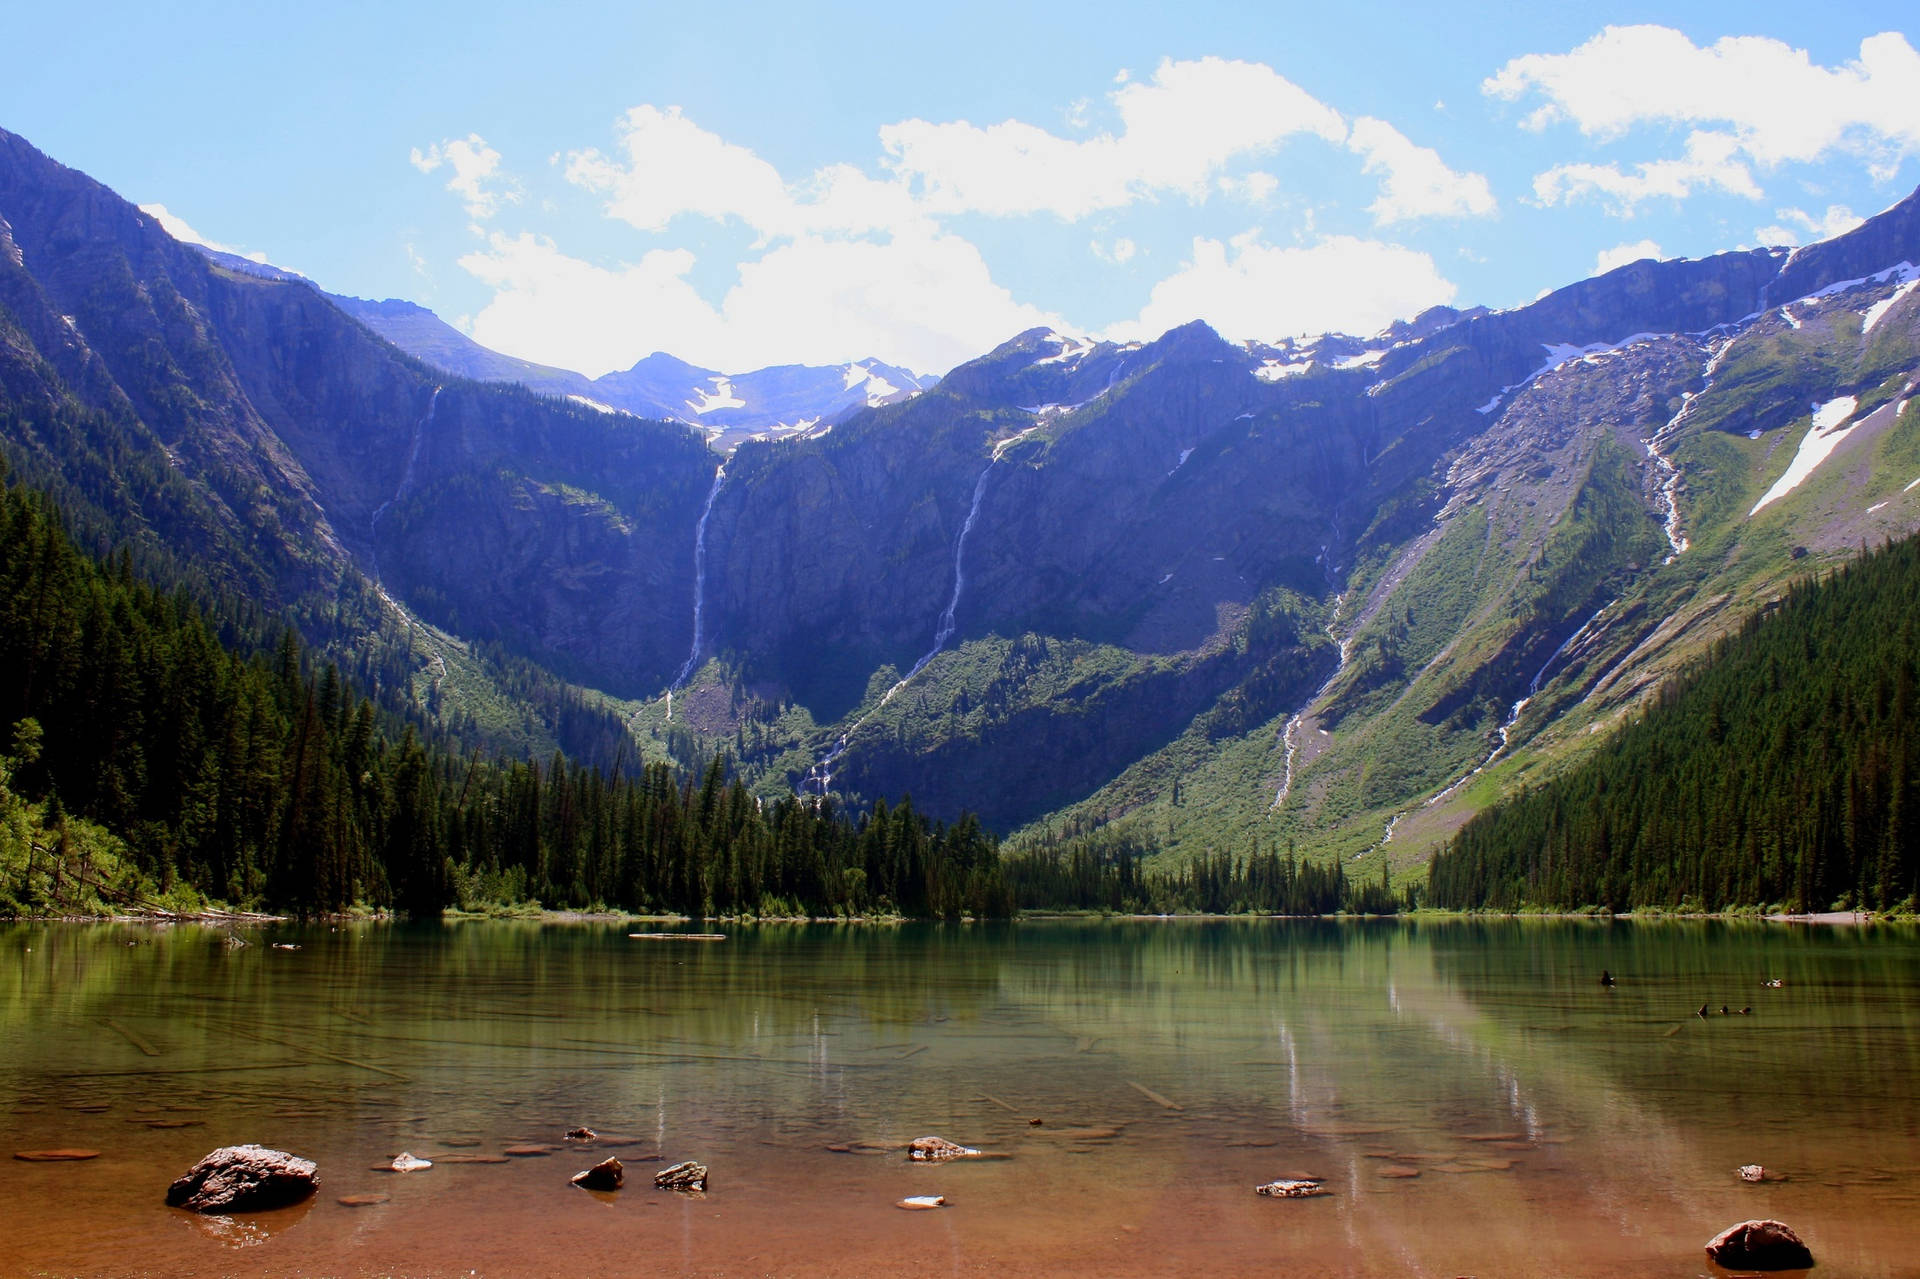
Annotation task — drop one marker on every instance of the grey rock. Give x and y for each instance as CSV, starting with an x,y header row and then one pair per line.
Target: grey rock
x,y
244,1178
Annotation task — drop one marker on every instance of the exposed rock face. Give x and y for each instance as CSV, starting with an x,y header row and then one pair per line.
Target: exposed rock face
x,y
1759,1245
605,1175
244,1179
938,1150
682,1176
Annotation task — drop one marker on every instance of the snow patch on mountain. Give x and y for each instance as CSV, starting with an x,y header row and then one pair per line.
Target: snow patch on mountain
x,y
720,397
1909,276
1828,431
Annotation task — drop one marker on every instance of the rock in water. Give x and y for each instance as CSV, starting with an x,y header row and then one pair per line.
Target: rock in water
x,y
55,1156
920,1203
1759,1245
1752,1172
608,1174
682,1176
581,1134
406,1161
934,1150
1290,1189
244,1178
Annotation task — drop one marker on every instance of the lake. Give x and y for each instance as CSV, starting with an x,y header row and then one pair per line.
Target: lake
x,y
1476,1102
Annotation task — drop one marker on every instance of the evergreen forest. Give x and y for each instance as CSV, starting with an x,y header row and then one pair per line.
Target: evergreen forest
x,y
1779,772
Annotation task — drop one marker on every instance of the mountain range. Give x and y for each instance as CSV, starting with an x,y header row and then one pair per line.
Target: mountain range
x,y
1185,595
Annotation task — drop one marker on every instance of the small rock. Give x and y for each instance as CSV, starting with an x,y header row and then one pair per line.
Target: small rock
x,y
1759,1245
362,1201
920,1203
682,1176
581,1134
937,1150
1290,1189
527,1152
1752,1172
246,1178
605,1175
55,1156
285,945
1035,1123
405,1161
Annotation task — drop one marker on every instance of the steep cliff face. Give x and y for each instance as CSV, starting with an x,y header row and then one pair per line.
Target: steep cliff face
x,y
281,446
1337,590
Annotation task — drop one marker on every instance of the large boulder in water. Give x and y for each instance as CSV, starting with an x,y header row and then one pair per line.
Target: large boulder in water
x,y
244,1179
1759,1245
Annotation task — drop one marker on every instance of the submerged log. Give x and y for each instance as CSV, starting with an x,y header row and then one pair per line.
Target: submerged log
x,y
244,1178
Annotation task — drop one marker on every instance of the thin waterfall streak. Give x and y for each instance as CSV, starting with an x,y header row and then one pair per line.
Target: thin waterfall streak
x,y
407,474
699,587
821,774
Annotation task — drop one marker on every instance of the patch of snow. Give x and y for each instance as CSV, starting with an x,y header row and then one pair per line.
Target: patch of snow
x,y
1875,313
1243,417
1876,506
1789,317
1492,404
1754,434
853,375
69,321
1823,437
1911,487
1364,360
1012,440
1274,370
1184,455
1070,350
1166,579
878,389
596,405
721,397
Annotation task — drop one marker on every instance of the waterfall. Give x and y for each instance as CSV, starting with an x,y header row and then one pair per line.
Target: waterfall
x,y
407,476
820,777
406,479
699,589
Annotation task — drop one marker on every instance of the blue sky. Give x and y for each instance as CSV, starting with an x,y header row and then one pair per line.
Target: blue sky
x,y
763,183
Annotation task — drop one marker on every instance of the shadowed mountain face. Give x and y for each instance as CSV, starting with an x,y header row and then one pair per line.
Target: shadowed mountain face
x,y
1193,592
249,425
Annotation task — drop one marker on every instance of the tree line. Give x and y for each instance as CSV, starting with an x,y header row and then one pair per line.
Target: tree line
x,y
1781,770
251,773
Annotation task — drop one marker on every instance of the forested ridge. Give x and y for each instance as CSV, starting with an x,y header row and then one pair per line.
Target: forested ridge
x,y
1780,771
152,750
141,758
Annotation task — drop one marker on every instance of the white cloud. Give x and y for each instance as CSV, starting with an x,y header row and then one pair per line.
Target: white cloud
x,y
1248,289
1770,102
1119,253
1621,254
1837,220
923,301
475,173
1711,162
177,227
1415,182
1178,132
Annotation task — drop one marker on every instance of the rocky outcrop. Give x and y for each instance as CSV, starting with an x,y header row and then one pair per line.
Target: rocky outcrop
x,y
1290,1189
244,1179
1759,1245
682,1176
938,1150
606,1175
